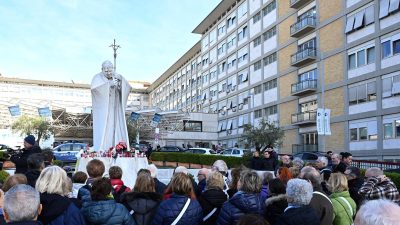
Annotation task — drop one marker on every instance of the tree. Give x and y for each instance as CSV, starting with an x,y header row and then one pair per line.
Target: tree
x,y
264,134
35,125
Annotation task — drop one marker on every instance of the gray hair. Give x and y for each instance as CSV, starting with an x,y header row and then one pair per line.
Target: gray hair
x,y
323,159
311,174
221,165
250,182
378,212
53,180
181,169
153,170
21,203
374,171
299,192
298,162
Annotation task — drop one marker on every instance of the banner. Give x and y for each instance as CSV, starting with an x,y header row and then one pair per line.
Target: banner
x,y
156,120
327,122
14,110
44,112
323,121
134,116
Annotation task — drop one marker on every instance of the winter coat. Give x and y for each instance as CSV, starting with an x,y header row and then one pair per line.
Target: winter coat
x,y
32,176
274,207
323,207
59,210
160,186
106,212
231,192
268,164
343,215
304,215
20,160
200,187
118,189
84,191
144,205
75,189
256,163
170,209
264,191
241,203
354,186
210,199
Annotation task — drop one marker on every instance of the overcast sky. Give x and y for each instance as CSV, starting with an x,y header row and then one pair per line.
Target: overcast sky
x,y
64,40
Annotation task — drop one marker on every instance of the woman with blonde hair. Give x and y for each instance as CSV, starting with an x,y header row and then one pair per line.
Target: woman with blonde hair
x,y
344,207
54,187
143,200
180,207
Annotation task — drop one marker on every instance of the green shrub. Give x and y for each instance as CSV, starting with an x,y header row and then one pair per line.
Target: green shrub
x,y
3,176
395,177
4,156
58,163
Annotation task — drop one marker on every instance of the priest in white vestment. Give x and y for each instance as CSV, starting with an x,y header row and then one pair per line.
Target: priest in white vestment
x,y
110,93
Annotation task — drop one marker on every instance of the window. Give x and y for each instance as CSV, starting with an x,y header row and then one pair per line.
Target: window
x,y
243,77
353,134
231,21
221,30
271,110
257,113
308,106
257,41
271,6
193,126
397,128
363,133
257,89
231,42
387,7
257,65
256,18
270,85
242,58
391,86
360,20
386,51
396,47
242,10
388,130
362,93
361,58
270,59
242,33
269,33
221,67
309,75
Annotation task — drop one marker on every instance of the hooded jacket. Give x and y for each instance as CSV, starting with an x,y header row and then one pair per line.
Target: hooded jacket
x,y
210,199
241,203
343,214
143,204
59,210
106,212
274,207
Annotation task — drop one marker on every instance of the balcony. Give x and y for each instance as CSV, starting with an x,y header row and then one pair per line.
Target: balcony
x,y
298,148
303,26
304,118
297,3
304,56
304,87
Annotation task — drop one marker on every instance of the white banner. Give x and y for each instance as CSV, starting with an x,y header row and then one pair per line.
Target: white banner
x,y
324,121
327,122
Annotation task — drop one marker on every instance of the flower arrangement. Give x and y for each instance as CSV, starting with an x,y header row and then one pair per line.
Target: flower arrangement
x,y
121,147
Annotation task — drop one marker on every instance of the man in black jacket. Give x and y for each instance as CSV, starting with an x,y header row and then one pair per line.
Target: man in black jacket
x,y
20,160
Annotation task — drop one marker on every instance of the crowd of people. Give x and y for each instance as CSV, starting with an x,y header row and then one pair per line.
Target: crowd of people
x,y
290,192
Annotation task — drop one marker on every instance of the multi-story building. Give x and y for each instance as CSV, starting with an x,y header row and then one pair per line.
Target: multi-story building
x,y
281,60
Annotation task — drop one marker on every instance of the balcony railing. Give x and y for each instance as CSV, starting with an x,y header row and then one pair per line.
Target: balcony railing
x,y
303,26
304,118
297,3
304,56
304,87
298,148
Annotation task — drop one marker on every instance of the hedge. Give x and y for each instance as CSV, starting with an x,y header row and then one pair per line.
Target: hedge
x,y
198,158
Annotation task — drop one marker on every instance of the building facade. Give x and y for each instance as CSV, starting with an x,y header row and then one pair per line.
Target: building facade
x,y
281,60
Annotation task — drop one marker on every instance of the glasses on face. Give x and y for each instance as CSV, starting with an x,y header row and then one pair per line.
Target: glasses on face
x,y
200,174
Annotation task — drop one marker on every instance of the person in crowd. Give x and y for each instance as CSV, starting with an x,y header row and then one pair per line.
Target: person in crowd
x,y
267,176
284,175
143,171
220,166
95,169
298,194
212,199
13,180
115,173
344,207
378,212
20,160
329,157
268,162
322,166
35,166
319,201
201,177
143,201
335,160
103,209
149,151
246,200
354,181
256,161
78,180
295,171
276,204
53,186
48,156
182,202
340,168
378,186
251,219
299,163
180,169
233,186
347,158
286,162
22,205
160,186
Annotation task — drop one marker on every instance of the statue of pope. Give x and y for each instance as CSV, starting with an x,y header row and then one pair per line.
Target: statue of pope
x,y
110,93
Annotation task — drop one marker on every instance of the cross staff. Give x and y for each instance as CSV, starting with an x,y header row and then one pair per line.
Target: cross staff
x,y
115,47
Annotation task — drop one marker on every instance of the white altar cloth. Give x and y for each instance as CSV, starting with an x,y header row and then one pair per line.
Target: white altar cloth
x,y
129,166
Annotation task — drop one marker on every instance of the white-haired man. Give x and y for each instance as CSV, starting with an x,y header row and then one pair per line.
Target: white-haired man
x,y
160,186
322,165
378,212
22,205
202,175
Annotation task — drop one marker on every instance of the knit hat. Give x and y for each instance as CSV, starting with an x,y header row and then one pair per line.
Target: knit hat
x,y
30,139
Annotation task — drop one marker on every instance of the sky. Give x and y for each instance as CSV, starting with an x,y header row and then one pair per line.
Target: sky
x,y
68,40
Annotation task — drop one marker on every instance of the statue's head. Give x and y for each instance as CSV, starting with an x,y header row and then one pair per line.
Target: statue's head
x,y
108,69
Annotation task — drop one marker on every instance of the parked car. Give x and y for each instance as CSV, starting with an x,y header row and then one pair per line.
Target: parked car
x,y
206,151
170,148
67,152
309,157
237,152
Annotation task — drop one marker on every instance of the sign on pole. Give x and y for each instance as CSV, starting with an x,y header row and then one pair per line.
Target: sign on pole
x,y
156,120
134,116
14,110
323,121
44,112
327,122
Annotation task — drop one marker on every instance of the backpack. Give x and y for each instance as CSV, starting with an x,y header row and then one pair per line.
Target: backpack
x,y
117,194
